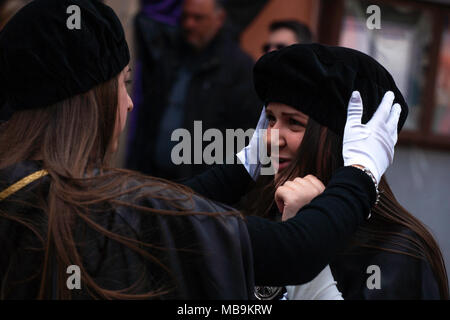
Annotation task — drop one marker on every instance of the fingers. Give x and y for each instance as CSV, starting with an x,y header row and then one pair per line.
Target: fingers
x,y
384,109
280,194
394,116
316,182
309,181
355,109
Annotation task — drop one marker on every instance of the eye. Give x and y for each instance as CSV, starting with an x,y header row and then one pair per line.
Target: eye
x,y
271,119
129,82
294,122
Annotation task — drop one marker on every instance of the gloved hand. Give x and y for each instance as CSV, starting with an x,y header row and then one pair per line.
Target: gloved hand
x,y
250,155
371,145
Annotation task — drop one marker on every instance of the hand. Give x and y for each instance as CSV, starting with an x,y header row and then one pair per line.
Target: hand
x,y
371,145
293,195
249,156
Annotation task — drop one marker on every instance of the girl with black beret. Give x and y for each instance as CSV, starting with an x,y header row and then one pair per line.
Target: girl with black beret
x,y
62,208
305,88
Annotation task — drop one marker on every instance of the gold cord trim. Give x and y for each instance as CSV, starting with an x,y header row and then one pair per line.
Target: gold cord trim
x,y
22,184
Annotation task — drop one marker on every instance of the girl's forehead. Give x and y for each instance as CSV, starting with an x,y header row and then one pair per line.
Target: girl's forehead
x,y
279,107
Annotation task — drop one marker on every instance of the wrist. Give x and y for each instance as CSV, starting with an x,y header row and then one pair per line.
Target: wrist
x,y
374,180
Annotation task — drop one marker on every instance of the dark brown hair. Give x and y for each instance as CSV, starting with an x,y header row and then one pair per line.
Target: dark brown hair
x,y
320,154
72,139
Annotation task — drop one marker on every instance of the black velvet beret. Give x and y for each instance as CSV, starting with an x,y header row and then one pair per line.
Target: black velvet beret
x,y
43,62
318,80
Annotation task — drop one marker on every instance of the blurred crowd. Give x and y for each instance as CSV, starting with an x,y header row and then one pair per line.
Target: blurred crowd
x,y
190,69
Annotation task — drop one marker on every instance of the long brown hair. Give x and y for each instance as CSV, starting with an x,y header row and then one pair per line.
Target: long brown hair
x,y
72,139
320,154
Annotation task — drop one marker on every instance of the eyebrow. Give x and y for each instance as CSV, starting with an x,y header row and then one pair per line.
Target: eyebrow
x,y
294,115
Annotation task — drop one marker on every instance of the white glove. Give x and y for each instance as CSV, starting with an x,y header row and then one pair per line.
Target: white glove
x,y
371,145
250,155
322,287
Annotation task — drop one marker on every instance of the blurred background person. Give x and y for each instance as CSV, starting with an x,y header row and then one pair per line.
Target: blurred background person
x,y
284,33
191,72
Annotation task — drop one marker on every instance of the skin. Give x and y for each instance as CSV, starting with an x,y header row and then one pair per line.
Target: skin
x,y
291,126
125,105
281,36
201,21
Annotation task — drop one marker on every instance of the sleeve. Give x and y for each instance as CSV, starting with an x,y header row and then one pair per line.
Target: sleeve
x,y
295,251
225,183
209,256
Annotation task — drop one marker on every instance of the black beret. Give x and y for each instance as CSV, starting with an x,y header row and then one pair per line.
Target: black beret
x,y
43,61
318,80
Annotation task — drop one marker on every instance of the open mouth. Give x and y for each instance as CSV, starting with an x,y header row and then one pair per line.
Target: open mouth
x,y
283,163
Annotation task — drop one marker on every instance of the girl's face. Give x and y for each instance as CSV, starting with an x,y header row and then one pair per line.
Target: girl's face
x,y
291,126
125,105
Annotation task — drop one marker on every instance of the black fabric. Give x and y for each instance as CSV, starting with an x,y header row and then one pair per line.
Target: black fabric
x,y
208,257
318,80
223,183
302,246
218,262
220,93
43,62
402,277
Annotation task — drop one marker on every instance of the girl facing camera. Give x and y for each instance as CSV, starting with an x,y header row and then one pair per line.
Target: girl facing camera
x,y
305,88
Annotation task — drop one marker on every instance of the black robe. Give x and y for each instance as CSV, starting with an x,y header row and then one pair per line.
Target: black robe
x,y
219,257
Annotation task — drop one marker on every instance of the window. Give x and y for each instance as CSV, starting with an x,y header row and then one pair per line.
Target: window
x,y
413,43
441,122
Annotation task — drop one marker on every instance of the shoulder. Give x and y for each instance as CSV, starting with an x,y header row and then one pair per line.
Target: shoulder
x,y
161,202
205,243
233,55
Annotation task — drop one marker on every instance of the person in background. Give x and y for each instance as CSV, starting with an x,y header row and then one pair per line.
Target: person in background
x,y
191,72
284,33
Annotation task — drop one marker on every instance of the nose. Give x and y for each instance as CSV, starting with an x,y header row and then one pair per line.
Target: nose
x,y
130,104
272,136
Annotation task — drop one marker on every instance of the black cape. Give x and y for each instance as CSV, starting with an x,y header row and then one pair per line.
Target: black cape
x,y
209,257
221,257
